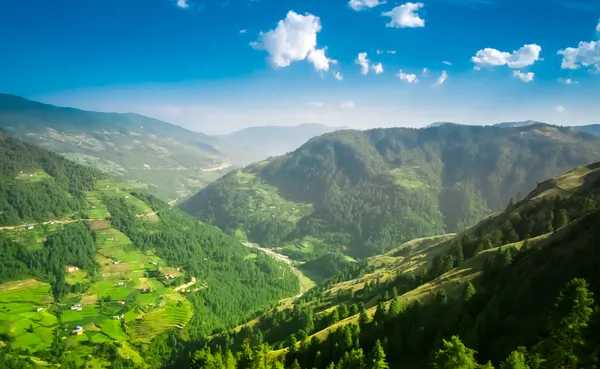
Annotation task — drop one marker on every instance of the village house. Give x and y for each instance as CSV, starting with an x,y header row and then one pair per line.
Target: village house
x,y
77,307
72,268
78,330
169,276
121,302
29,226
39,309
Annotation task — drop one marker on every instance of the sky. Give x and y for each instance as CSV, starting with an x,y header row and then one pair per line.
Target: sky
x,y
216,66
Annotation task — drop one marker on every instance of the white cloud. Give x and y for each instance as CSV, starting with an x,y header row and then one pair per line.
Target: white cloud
x,y
560,109
598,27
425,72
243,30
586,54
568,81
379,51
410,78
405,16
363,61
525,56
316,104
347,104
359,5
294,39
319,60
378,68
446,62
440,81
183,4
524,77
338,76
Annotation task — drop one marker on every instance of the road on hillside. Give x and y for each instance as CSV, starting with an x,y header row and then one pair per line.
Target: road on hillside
x,y
66,221
282,258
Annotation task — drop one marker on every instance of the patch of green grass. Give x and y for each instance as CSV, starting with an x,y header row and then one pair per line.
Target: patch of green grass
x,y
250,256
409,178
175,312
79,276
37,175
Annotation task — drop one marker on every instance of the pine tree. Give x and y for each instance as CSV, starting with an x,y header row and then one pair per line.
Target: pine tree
x,y
378,357
469,291
567,323
516,360
363,318
395,307
454,355
561,220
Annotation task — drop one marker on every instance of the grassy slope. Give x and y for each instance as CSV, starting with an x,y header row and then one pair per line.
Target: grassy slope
x,y
580,180
170,161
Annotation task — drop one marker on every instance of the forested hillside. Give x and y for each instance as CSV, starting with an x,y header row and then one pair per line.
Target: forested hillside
x,y
94,271
170,161
519,290
365,192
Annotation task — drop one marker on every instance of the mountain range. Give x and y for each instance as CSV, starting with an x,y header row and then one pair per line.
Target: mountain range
x,y
364,192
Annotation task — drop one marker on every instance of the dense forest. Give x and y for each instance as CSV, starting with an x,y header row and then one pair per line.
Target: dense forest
x,y
34,183
365,192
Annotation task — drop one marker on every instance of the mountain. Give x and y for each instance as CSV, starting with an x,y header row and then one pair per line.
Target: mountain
x,y
518,124
365,192
170,161
96,273
592,129
439,124
503,291
263,142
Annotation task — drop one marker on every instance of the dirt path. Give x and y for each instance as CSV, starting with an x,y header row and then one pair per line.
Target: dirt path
x,y
214,169
282,258
185,286
66,221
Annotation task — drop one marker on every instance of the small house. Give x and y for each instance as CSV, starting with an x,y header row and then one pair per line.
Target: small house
x,y
120,284
169,276
29,226
39,309
121,302
72,268
78,330
52,222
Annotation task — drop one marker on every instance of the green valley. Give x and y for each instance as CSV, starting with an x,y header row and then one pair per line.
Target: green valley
x,y
365,192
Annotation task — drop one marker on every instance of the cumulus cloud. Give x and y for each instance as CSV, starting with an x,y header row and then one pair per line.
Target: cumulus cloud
x,y
524,77
446,62
338,76
560,109
425,72
440,81
363,61
359,5
319,60
525,56
183,4
598,27
294,39
347,104
316,104
586,54
378,68
410,78
405,16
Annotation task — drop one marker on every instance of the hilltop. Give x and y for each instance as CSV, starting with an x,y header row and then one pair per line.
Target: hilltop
x,y
366,192
95,271
170,161
263,142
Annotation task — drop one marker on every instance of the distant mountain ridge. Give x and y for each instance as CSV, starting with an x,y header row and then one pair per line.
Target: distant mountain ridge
x,y
265,141
364,192
171,161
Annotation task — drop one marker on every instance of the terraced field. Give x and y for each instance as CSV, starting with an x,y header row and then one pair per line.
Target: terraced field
x,y
128,301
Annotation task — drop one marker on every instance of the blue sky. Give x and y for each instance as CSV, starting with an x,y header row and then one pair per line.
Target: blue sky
x,y
205,65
